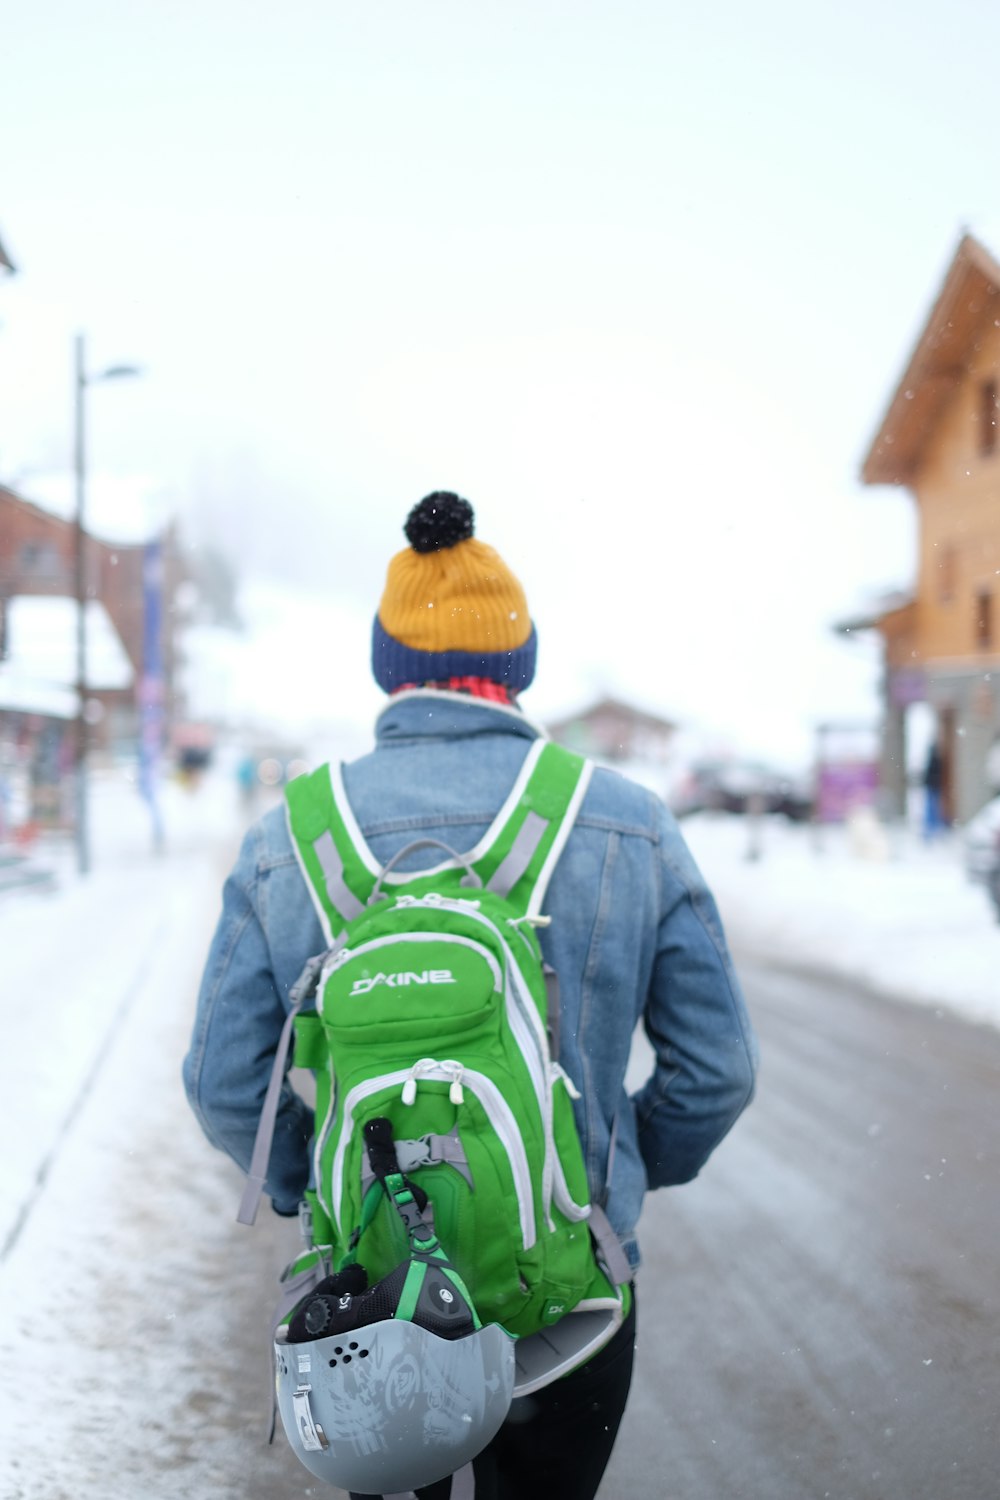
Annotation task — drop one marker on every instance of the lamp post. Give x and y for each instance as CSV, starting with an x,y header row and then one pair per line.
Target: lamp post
x,y
81,381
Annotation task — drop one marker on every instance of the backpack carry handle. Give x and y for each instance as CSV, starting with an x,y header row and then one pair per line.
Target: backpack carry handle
x,y
470,878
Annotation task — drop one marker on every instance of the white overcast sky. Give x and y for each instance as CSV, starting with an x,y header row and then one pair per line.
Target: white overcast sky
x,y
637,279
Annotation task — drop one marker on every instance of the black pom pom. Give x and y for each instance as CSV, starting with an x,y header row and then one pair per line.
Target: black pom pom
x,y
439,520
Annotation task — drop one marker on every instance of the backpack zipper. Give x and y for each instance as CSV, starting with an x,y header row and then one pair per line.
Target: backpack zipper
x,y
497,1111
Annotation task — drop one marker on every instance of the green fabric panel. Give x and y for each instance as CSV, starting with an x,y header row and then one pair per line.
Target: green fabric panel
x,y
311,1049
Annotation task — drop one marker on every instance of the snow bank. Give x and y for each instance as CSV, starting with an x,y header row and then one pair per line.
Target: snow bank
x,y
893,914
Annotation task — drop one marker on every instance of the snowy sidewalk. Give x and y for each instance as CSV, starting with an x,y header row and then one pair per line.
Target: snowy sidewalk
x,y
133,1308
909,926
76,953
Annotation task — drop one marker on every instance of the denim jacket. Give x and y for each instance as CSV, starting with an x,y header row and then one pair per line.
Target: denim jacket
x,y
635,938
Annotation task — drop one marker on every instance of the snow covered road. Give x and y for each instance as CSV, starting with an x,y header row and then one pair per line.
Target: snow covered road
x,y
134,1310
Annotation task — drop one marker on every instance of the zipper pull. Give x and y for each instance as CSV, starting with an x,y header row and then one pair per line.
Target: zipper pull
x,y
454,1071
418,1070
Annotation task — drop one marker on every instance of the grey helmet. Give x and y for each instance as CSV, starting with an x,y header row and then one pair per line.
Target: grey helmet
x,y
387,1389
393,1406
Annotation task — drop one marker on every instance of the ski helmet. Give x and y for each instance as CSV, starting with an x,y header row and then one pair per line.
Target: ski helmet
x,y
391,1388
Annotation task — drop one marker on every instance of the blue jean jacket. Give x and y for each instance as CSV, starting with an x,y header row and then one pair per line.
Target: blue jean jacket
x,y
635,938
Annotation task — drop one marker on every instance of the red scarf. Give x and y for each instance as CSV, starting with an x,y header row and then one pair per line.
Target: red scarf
x,y
475,687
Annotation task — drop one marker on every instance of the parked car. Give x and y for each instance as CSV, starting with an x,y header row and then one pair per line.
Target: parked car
x,y
738,786
981,842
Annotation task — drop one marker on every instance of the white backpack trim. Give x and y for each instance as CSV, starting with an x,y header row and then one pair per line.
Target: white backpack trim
x,y
568,824
397,877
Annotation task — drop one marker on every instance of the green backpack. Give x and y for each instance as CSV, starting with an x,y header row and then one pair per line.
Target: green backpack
x,y
433,1009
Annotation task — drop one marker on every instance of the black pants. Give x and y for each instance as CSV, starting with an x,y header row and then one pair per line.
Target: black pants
x,y
557,1443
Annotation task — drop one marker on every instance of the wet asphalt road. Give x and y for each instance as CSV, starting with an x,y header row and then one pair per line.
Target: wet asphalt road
x,y
820,1312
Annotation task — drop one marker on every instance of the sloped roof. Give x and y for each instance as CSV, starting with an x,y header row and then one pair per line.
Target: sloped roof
x,y
607,706
877,614
63,514
42,644
969,295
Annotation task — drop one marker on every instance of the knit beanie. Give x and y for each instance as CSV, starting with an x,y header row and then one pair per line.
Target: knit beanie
x,y
451,606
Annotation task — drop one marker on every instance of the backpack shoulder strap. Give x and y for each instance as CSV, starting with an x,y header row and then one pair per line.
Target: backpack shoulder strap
x,y
531,832
514,860
329,848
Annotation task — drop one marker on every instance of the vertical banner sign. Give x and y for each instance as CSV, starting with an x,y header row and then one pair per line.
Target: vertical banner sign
x,y
151,687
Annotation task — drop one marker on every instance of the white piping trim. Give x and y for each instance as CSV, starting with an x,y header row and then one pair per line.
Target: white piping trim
x,y
404,877
575,1212
346,811
324,920
322,1136
566,828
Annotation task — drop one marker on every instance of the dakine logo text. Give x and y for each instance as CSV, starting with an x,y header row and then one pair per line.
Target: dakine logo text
x,y
407,976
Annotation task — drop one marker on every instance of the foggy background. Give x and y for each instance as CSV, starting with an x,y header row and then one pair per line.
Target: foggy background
x,y
637,280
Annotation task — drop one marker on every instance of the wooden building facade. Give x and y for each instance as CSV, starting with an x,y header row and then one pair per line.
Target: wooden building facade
x,y
940,440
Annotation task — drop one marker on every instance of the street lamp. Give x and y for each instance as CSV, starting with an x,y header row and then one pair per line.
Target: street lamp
x,y
81,381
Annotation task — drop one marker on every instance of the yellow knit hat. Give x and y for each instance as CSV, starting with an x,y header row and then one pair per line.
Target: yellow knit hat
x,y
451,606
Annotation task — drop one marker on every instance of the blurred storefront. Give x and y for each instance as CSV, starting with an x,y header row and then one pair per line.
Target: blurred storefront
x,y
38,704
847,770
131,637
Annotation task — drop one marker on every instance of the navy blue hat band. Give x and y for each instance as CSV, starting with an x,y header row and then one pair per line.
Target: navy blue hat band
x,y
395,665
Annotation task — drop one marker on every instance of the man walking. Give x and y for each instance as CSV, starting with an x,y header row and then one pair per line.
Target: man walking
x,y
634,938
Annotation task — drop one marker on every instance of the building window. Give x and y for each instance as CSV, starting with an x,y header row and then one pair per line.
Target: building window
x,y
39,560
947,567
987,417
984,620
